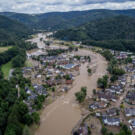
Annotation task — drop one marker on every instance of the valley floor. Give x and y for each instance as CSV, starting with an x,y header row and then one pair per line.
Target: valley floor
x,y
61,116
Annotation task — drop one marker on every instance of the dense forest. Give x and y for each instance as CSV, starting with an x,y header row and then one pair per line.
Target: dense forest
x,y
14,114
11,30
120,27
64,20
115,32
120,45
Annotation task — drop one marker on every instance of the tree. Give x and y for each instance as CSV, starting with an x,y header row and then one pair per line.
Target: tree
x,y
10,132
53,89
94,91
27,119
118,71
67,77
22,109
1,74
89,71
35,117
80,96
103,82
19,61
128,60
26,130
114,78
124,130
104,130
39,102
89,59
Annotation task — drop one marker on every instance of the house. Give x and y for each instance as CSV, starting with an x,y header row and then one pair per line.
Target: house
x,y
130,97
27,70
116,89
83,130
111,121
69,82
65,89
40,90
110,112
69,66
50,82
49,74
107,96
61,74
97,105
58,81
28,91
129,112
132,123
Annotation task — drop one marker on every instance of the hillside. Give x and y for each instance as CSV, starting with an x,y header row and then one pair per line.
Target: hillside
x,y
12,30
65,20
120,27
28,20
113,33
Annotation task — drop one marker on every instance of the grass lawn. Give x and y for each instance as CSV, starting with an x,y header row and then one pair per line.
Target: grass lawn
x,y
3,49
28,63
6,69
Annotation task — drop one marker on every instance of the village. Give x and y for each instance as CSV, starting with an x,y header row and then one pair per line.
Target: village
x,y
54,68
113,106
52,71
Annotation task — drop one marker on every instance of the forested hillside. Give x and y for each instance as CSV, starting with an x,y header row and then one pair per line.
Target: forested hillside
x,y
110,32
64,20
120,27
11,30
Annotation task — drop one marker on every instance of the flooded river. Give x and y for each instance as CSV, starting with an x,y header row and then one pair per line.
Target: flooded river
x,y
60,117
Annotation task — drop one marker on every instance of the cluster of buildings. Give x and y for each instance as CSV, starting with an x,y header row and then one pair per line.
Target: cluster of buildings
x,y
115,104
104,99
51,72
32,95
120,55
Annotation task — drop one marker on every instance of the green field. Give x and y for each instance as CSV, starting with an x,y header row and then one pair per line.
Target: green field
x,y
6,69
3,49
28,63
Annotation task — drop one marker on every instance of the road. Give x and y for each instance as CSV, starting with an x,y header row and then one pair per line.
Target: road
x,y
61,116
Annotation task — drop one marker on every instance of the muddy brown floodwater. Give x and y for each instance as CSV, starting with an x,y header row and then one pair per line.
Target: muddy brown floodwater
x,y
60,117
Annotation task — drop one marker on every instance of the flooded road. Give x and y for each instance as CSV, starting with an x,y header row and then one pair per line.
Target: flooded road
x,y
60,117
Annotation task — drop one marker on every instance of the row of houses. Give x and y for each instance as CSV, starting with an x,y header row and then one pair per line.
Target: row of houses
x,y
106,97
130,97
120,55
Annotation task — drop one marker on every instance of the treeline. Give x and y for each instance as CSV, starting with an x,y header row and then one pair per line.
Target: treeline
x,y
124,130
14,114
19,60
16,54
119,45
25,45
19,43
55,52
8,55
113,66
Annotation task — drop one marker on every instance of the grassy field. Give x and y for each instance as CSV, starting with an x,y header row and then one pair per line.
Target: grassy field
x,y
6,69
3,49
28,63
